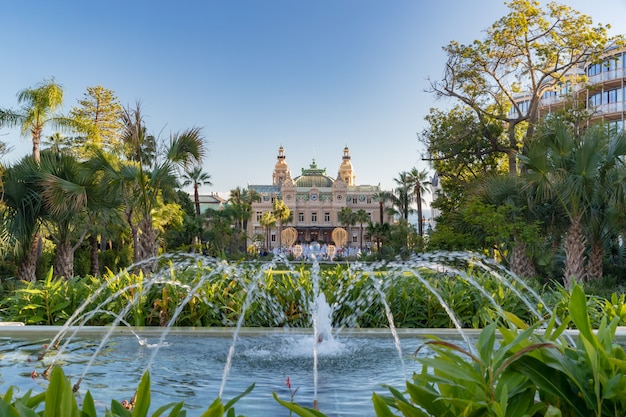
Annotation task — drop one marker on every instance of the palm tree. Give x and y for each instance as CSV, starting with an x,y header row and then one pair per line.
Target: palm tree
x,y
22,213
241,201
417,179
198,178
361,217
69,194
402,195
570,168
38,106
346,219
282,213
522,218
268,221
145,177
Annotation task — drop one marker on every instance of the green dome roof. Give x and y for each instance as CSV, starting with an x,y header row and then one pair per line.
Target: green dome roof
x,y
313,177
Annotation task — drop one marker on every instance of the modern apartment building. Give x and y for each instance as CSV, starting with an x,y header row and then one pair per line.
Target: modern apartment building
x,y
600,88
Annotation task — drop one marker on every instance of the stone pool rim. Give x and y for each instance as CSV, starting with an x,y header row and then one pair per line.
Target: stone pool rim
x,y
16,329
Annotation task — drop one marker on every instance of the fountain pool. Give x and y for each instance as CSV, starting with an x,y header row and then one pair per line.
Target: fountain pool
x,y
334,366
190,364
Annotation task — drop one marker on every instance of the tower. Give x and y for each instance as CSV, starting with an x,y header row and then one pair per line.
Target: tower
x,y
281,170
346,173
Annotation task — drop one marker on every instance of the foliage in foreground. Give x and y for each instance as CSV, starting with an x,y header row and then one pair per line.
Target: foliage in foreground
x,y
527,371
215,296
530,372
59,401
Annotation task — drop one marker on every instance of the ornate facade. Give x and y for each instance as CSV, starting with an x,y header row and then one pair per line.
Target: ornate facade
x,y
315,200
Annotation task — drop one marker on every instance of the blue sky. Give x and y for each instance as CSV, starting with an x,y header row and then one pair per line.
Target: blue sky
x,y
312,76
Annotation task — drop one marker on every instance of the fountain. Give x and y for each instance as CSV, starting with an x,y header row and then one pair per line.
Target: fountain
x,y
346,363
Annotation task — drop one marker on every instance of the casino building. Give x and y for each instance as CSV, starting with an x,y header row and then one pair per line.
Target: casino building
x,y
315,200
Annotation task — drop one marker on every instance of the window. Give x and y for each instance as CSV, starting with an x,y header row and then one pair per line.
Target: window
x,y
327,217
594,69
314,217
610,96
354,199
595,100
273,237
354,239
259,214
301,217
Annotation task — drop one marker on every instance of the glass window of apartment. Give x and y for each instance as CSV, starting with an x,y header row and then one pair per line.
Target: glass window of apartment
x,y
259,214
615,62
327,217
615,126
594,69
548,94
273,237
314,217
595,100
354,199
611,96
301,216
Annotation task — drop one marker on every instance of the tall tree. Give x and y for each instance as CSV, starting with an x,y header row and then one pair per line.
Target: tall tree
x,y
571,167
402,195
418,180
530,50
197,178
38,110
98,120
71,197
268,221
146,176
241,201
21,213
361,217
283,214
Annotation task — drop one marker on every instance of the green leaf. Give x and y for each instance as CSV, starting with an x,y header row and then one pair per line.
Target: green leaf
x,y
551,381
298,409
7,409
118,410
142,404
89,407
232,402
578,312
380,407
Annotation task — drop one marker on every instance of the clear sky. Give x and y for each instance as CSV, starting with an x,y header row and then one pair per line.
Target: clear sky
x,y
310,75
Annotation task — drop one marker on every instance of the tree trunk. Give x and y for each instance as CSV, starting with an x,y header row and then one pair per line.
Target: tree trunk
x,y
418,197
93,255
147,246
520,262
594,266
64,261
575,243
26,270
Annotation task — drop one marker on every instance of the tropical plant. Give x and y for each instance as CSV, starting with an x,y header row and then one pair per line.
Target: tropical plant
x,y
145,177
241,201
361,217
530,372
197,178
417,179
267,220
59,401
571,168
283,215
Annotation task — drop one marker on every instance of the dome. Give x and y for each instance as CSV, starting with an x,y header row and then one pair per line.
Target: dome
x,y
313,177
